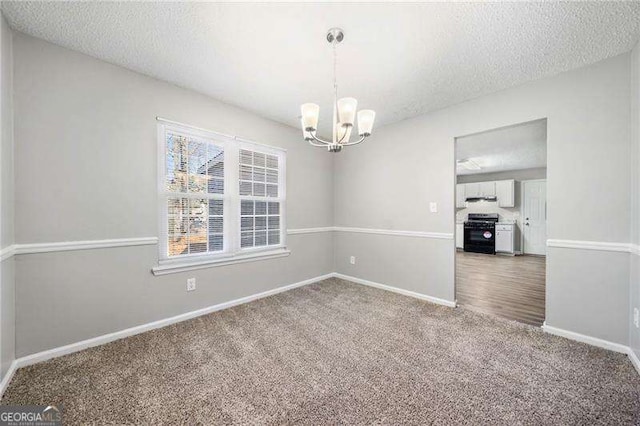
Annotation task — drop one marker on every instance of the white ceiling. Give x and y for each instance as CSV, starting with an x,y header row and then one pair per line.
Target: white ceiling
x,y
399,59
523,146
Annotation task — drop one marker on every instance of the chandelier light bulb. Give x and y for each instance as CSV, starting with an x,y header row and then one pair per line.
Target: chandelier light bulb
x,y
306,134
310,113
347,110
366,118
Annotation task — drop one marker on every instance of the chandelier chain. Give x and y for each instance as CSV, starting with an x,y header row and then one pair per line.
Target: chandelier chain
x,y
335,71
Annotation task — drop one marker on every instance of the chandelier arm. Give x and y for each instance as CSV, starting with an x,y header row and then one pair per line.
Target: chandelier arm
x,y
355,143
311,142
342,138
324,143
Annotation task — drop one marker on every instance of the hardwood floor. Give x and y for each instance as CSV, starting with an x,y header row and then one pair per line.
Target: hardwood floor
x,y
507,286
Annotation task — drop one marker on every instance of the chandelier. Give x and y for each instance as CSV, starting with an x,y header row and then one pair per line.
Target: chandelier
x,y
344,112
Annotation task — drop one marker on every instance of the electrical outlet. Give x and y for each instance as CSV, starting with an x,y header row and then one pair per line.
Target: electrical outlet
x,y
636,317
191,284
352,260
433,207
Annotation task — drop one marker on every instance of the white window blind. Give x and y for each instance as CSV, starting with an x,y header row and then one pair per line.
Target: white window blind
x,y
219,196
259,185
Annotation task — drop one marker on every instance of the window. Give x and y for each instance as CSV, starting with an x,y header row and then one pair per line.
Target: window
x,y
220,197
260,219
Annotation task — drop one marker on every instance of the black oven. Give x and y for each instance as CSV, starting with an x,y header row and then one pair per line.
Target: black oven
x,y
480,233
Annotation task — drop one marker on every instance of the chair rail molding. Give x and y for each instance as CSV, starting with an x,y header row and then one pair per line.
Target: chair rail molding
x,y
83,245
399,233
593,245
297,231
7,252
31,248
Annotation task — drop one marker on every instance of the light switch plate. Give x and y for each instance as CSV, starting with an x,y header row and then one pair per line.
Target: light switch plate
x,y
433,207
636,317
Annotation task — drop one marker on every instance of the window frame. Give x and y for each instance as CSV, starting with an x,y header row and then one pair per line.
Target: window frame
x,y
231,200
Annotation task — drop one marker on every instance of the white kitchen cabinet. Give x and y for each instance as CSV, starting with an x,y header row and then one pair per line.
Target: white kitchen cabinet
x,y
505,238
487,189
505,193
472,190
480,189
460,235
460,196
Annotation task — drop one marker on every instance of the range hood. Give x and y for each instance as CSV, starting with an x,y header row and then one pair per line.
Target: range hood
x,y
492,198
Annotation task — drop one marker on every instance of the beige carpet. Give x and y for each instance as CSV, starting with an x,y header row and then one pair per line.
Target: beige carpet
x,y
336,352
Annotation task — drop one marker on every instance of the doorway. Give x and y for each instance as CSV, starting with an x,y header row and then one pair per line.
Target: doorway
x,y
501,211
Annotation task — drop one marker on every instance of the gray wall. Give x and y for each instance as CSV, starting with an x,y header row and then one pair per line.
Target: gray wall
x,y
524,174
86,150
634,333
7,283
388,182
85,131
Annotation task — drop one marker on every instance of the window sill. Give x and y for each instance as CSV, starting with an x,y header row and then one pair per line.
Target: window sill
x,y
187,265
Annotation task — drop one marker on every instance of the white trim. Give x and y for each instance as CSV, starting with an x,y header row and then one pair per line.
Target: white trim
x,y
634,360
591,245
309,230
106,338
182,266
198,129
8,376
594,341
231,146
7,252
83,245
420,234
224,135
437,300
15,249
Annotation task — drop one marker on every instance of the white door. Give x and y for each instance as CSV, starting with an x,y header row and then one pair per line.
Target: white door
x,y
534,197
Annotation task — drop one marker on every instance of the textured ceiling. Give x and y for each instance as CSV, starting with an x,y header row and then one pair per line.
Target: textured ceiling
x,y
523,146
399,59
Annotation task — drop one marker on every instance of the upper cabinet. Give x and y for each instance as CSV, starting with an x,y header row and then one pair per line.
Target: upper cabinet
x,y
505,193
472,190
502,189
460,196
487,189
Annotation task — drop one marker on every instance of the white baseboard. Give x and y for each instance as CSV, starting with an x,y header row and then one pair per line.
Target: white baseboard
x,y
106,338
451,304
594,341
634,360
100,340
7,377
